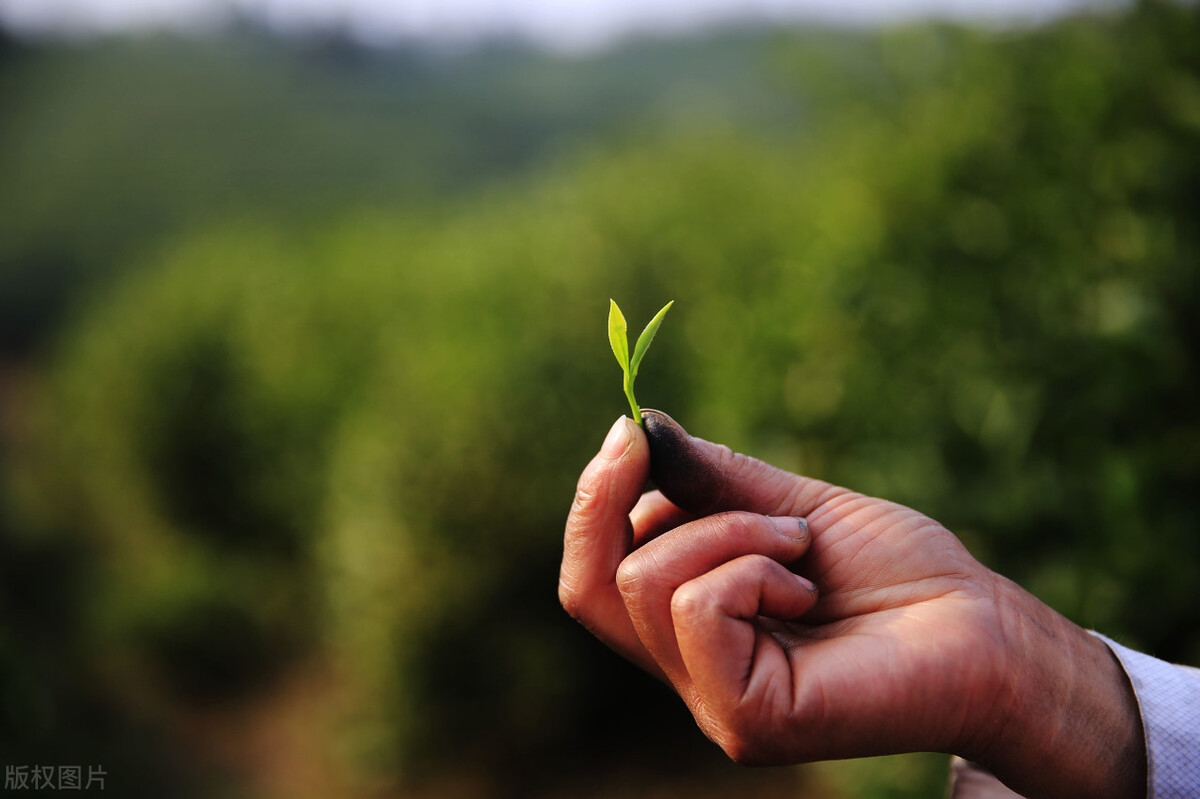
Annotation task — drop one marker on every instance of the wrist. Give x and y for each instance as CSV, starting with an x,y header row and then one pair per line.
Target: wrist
x,y
1065,721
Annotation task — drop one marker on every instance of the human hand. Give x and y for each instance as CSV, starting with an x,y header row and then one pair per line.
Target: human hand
x,y
910,645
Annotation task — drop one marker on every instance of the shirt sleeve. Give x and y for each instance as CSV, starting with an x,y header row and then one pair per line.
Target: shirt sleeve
x,y
1168,698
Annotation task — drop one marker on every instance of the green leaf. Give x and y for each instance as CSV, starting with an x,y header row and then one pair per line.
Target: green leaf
x,y
617,335
643,342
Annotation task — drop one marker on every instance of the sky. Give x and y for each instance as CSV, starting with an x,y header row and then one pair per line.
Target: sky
x,y
562,24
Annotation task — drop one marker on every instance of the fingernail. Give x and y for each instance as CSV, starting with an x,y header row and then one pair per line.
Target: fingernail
x,y
792,526
804,581
617,440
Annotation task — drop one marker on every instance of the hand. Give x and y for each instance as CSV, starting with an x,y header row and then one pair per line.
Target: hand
x,y
801,621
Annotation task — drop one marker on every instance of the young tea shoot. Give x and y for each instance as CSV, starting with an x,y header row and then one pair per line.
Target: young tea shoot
x,y
618,337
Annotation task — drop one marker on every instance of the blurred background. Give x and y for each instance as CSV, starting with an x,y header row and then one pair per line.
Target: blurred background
x,y
302,348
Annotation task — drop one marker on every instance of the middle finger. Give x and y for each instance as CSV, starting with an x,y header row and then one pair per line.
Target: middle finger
x,y
649,576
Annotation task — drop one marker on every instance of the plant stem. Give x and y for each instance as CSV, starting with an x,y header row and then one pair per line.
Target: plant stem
x,y
633,406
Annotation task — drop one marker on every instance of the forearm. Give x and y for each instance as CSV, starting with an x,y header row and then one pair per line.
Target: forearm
x,y
1067,721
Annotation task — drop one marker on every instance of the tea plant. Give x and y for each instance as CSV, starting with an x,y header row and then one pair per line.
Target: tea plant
x,y
619,339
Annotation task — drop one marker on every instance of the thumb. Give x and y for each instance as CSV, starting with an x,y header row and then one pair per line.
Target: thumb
x,y
704,478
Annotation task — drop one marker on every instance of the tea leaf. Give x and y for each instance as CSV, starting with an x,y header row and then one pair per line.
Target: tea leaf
x,y
647,336
617,336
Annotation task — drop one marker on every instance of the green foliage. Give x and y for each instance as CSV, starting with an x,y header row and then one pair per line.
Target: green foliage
x,y
618,338
112,148
969,284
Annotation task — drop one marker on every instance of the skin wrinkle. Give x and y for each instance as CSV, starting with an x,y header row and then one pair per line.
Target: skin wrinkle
x,y
727,462
775,684
794,500
1061,736
809,702
591,493
570,580
747,678
758,696
950,554
748,616
1011,695
742,468
851,507
632,571
832,504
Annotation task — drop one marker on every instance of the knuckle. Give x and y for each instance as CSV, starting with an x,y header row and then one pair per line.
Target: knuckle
x,y
760,569
691,601
581,600
725,457
589,493
739,466
747,533
570,600
631,576
736,523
